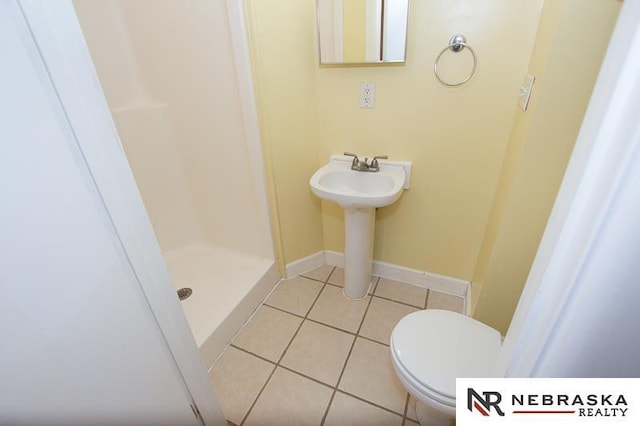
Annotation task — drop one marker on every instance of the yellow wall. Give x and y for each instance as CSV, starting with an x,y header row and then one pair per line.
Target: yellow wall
x,y
456,137
354,46
569,48
485,174
284,58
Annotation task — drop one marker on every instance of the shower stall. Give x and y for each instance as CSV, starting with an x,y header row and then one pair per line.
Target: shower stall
x,y
177,78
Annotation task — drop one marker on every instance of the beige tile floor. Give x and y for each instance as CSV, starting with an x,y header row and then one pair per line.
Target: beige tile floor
x,y
309,356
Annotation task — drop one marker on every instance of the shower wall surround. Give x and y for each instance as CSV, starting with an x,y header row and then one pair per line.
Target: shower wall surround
x,y
171,74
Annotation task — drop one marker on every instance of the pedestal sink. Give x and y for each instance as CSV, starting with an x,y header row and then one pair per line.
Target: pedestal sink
x,y
359,194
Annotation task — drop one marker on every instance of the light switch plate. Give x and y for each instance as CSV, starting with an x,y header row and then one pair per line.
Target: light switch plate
x,y
525,91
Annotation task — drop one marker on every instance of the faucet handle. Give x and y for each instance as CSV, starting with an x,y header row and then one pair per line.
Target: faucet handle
x,y
374,162
355,162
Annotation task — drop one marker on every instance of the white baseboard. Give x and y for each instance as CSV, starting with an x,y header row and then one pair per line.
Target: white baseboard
x,y
306,264
423,279
444,284
224,333
334,258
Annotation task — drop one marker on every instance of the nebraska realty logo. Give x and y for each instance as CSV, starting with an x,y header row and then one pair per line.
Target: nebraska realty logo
x,y
484,404
557,401
589,405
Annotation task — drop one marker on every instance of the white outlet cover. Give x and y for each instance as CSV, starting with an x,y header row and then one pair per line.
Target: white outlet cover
x,y
367,95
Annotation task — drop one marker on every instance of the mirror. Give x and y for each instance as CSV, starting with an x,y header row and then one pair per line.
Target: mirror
x,y
362,31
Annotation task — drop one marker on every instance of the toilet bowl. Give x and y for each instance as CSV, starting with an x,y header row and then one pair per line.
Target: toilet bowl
x,y
430,348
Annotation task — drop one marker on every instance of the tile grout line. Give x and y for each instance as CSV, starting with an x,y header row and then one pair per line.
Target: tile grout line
x,y
332,387
258,396
375,287
406,409
397,301
351,333
330,274
320,382
375,283
237,333
301,323
315,321
362,337
374,341
354,335
285,351
328,325
372,292
335,388
254,354
282,310
346,361
312,279
359,398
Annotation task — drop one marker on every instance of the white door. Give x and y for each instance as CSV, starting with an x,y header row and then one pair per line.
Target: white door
x,y
79,343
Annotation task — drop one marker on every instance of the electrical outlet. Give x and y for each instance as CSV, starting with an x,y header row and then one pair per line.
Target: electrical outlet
x,y
367,95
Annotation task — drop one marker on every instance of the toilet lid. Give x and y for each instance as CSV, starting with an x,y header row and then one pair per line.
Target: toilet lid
x,y
436,346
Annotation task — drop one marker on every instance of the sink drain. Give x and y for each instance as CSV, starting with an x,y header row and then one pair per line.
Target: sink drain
x,y
184,292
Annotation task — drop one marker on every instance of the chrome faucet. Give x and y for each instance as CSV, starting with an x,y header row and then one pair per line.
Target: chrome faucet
x,y
364,166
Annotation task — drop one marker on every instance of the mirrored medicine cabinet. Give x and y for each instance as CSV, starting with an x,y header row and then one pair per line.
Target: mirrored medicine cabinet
x,y
362,31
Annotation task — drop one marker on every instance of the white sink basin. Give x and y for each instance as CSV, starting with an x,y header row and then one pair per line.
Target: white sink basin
x,y
359,193
335,181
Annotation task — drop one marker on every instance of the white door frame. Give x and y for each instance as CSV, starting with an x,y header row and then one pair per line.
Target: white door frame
x,y
605,151
57,33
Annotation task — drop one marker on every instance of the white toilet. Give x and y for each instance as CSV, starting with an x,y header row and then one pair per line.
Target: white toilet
x,y
430,348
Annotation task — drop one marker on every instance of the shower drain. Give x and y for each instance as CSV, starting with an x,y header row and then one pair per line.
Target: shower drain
x,y
184,292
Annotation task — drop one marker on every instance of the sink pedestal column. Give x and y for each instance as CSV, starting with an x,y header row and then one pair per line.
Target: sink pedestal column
x,y
359,226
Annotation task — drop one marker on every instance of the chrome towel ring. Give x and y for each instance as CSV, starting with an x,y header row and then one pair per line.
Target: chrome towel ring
x,y
457,43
